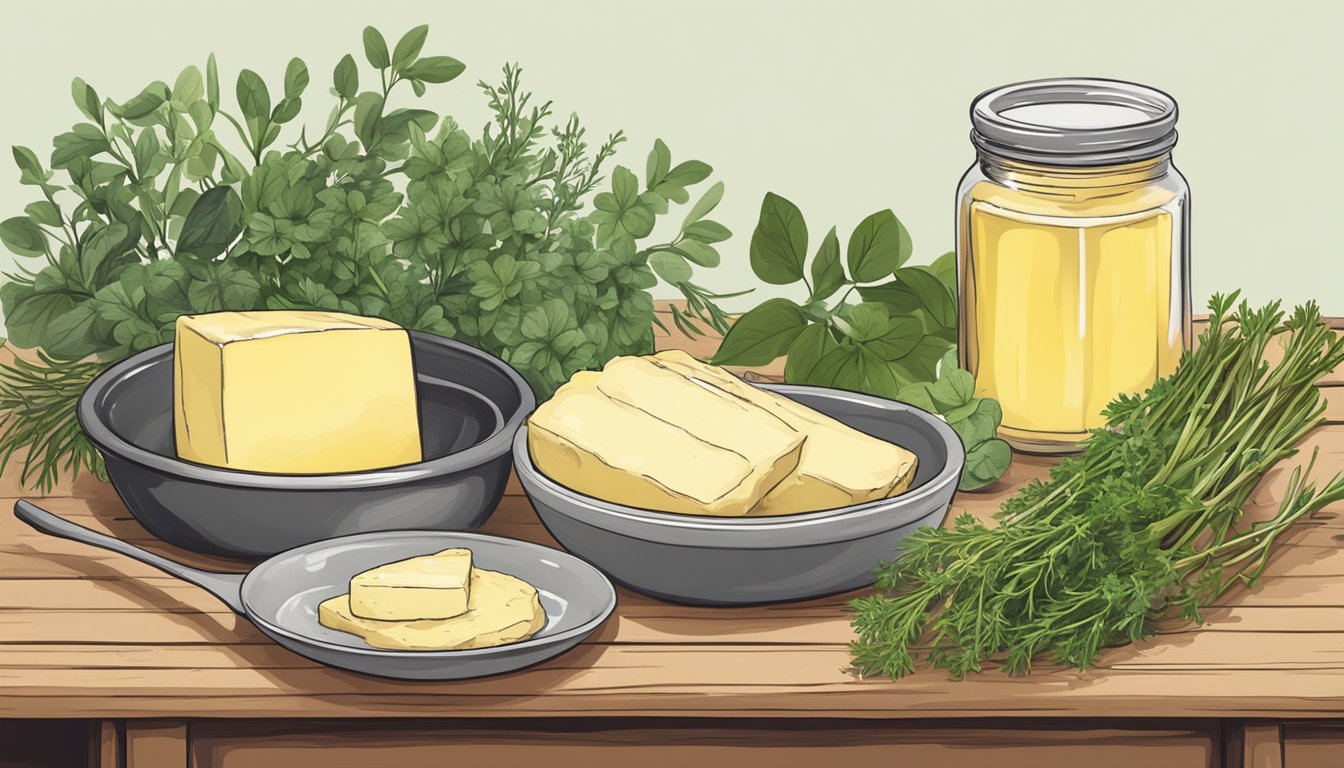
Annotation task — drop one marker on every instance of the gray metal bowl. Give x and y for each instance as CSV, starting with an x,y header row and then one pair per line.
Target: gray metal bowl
x,y
705,560
471,403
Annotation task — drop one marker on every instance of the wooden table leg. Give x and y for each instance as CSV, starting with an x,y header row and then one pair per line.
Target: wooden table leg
x,y
104,744
1262,745
156,744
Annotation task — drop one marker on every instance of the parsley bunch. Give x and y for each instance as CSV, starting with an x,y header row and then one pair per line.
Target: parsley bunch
x,y
1142,525
174,202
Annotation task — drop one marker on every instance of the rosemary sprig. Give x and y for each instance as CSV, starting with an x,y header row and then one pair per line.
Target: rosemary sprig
x,y
37,413
1143,525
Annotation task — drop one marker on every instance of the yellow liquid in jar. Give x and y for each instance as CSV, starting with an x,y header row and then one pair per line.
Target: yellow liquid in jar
x,y
1067,305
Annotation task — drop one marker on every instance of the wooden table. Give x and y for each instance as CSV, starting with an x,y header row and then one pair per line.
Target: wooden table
x,y
125,666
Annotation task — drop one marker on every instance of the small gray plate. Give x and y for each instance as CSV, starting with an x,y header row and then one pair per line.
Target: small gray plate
x,y
281,595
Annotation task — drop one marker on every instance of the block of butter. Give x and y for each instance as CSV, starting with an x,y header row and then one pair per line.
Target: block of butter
x,y
613,451
502,609
761,437
839,465
294,392
434,586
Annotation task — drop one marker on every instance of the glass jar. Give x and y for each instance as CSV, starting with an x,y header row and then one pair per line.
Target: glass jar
x,y
1073,253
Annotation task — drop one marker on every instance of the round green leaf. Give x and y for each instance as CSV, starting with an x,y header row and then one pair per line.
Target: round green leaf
x,y
761,335
986,463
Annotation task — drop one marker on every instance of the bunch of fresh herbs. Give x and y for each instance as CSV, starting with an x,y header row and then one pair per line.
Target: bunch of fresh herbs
x,y
170,203
898,342
1144,525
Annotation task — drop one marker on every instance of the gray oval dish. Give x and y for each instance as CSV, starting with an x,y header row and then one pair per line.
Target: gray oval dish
x,y
470,405
703,560
280,596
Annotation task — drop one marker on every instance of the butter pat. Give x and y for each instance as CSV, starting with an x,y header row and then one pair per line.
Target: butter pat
x,y
294,392
435,586
502,609
610,450
839,465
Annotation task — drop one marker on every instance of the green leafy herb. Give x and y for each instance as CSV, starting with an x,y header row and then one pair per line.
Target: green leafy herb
x,y
1143,525
897,342
174,203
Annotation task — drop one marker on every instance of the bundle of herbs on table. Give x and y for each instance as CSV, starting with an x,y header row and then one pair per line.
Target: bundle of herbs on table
x,y
1145,524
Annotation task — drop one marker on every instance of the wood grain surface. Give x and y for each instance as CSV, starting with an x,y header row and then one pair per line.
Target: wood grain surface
x,y
86,633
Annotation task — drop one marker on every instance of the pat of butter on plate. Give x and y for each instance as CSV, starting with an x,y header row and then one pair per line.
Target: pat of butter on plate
x,y
436,586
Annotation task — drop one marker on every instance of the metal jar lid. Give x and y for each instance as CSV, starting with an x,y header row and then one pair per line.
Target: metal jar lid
x,y
1074,122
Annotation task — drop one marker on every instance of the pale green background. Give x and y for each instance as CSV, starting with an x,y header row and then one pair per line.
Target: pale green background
x,y
843,107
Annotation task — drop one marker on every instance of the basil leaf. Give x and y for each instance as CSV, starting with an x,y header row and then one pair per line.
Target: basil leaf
x,y
945,269
43,212
658,164
708,232
31,309
375,48
253,97
345,78
672,268
296,78
761,335
368,111
30,168
22,236
878,246
77,145
707,203
827,274
212,224
86,99
814,343
688,173
779,244
408,47
212,83
188,87
145,102
934,297
435,69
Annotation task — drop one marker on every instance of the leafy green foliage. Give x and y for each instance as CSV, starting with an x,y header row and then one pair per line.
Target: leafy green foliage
x,y
1144,525
898,342
148,211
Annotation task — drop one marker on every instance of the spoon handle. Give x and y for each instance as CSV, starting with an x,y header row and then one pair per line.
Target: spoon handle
x,y
225,586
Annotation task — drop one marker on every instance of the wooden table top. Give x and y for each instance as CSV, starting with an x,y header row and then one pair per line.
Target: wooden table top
x,y
87,633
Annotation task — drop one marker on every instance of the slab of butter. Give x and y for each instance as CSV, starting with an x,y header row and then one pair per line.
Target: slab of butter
x,y
434,586
839,466
501,609
709,413
609,450
294,392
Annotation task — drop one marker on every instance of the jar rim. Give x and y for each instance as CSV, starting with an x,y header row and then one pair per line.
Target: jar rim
x,y
1074,121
